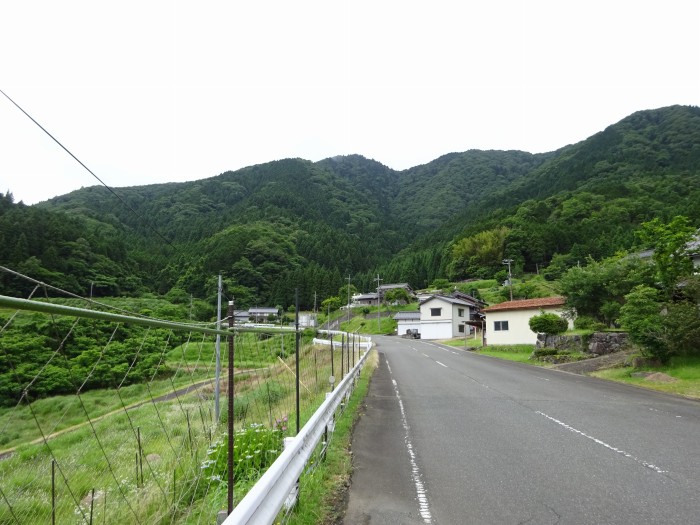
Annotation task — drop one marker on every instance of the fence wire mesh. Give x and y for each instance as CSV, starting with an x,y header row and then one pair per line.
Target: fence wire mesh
x,y
114,422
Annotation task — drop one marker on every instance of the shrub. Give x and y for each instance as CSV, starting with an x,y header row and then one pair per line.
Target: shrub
x,y
588,323
541,352
272,392
548,323
255,449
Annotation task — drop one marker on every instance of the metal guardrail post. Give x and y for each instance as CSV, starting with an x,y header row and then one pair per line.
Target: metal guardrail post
x,y
264,501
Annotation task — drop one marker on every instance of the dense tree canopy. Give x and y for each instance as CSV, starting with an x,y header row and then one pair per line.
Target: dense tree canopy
x,y
291,223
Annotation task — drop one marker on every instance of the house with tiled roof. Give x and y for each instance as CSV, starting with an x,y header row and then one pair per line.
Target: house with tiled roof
x,y
263,314
384,288
508,323
445,317
407,322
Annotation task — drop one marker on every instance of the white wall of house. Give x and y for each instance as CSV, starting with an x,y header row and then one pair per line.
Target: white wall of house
x,y
403,326
518,332
446,323
436,329
460,314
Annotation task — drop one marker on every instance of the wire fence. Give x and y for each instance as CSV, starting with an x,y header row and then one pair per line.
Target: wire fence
x,y
111,418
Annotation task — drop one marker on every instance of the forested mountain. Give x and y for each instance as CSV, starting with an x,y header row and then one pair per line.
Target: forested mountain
x,y
293,223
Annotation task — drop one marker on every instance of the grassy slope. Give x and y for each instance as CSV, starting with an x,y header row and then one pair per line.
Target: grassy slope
x,y
684,370
323,491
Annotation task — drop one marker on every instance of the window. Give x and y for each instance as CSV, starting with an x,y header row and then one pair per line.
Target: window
x,y
460,312
500,326
436,312
461,329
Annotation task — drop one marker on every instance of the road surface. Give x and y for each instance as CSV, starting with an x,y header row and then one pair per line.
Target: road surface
x,y
452,437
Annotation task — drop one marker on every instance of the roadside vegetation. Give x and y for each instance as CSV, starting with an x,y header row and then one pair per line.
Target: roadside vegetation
x,y
681,376
150,450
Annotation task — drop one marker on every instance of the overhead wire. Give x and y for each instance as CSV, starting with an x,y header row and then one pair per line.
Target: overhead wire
x,y
128,206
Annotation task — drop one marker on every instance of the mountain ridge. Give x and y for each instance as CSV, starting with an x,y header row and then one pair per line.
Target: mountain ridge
x,y
354,214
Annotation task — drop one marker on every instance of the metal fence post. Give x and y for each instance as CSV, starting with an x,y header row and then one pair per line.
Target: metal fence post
x,y
296,352
231,354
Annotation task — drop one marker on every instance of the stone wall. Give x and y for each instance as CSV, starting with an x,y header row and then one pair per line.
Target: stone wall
x,y
599,343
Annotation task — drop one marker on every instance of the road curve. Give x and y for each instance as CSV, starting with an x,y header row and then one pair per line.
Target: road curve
x,y
452,437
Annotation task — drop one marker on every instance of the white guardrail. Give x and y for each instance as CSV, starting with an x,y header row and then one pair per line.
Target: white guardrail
x,y
264,501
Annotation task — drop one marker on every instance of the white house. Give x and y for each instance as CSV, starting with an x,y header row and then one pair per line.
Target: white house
x,y
262,314
508,323
443,317
407,321
241,316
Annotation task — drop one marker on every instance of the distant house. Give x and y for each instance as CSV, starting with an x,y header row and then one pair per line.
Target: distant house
x,y
407,321
508,323
445,317
365,299
694,250
307,320
241,316
383,289
262,314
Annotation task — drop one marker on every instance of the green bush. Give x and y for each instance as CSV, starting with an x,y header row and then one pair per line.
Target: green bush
x,y
272,392
588,323
541,352
548,323
255,449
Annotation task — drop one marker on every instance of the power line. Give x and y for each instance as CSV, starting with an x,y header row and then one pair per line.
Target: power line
x,y
128,206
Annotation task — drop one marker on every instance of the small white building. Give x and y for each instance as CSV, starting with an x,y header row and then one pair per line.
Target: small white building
x,y
508,323
307,320
408,321
443,317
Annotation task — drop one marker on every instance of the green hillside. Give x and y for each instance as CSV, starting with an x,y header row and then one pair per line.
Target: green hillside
x,y
293,223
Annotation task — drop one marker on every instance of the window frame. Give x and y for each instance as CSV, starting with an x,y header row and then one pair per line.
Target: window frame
x,y
500,326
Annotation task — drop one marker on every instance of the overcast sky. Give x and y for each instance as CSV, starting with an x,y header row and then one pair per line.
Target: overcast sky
x,y
162,91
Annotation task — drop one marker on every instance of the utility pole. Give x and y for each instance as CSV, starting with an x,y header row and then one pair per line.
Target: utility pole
x,y
315,313
510,276
231,412
217,386
379,304
348,297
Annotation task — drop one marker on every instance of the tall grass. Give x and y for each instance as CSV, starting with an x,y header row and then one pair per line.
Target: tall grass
x,y
684,371
164,484
519,353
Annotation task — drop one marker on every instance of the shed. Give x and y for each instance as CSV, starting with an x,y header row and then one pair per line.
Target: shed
x,y
508,323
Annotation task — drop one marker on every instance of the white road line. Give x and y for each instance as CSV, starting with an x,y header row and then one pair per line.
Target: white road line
x,y
441,364
421,493
599,442
426,355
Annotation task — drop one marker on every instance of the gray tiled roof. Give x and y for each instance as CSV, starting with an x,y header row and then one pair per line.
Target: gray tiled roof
x,y
407,316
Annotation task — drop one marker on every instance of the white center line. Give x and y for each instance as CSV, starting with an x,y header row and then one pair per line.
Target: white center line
x,y
421,493
441,364
599,442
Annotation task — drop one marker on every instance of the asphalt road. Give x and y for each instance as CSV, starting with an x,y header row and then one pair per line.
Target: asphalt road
x,y
451,437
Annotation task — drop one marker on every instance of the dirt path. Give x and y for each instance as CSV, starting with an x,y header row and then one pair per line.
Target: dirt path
x,y
4,454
